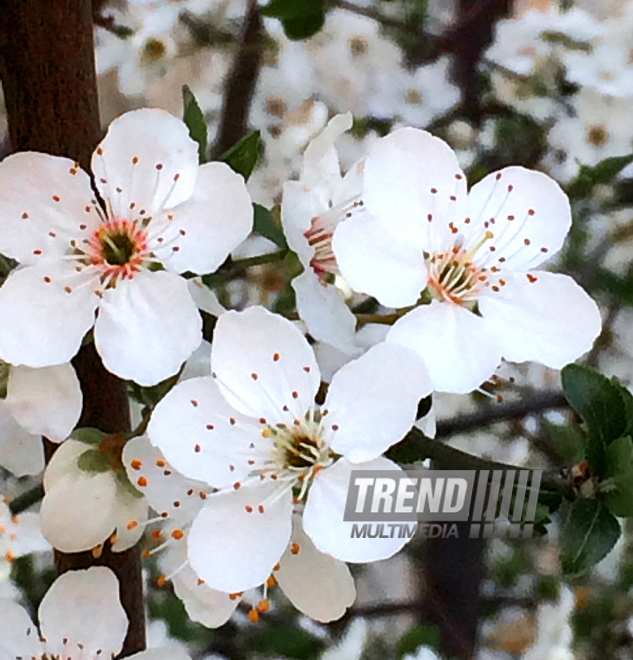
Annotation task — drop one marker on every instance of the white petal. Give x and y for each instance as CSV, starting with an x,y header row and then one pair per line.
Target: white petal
x,y
531,214
79,508
204,297
21,535
401,173
456,345
211,223
263,363
45,401
147,327
552,320
64,461
48,318
327,316
428,423
298,206
142,153
83,607
18,634
20,452
202,436
320,158
373,261
31,185
131,513
315,583
207,606
199,364
165,489
234,550
323,515
372,401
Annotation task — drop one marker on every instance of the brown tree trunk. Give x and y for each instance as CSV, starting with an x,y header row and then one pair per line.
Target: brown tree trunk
x,y
48,74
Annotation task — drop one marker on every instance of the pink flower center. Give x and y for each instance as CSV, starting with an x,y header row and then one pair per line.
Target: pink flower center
x,y
120,247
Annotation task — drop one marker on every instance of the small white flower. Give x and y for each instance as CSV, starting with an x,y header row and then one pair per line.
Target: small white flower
x,y
85,505
40,402
80,617
253,431
317,584
312,208
554,636
473,254
161,211
19,535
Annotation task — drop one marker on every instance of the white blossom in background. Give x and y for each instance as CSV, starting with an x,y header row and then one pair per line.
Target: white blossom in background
x,y
144,55
88,499
598,127
531,50
422,95
80,617
39,402
554,633
423,653
352,62
161,210
312,208
253,431
606,67
352,644
473,255
19,535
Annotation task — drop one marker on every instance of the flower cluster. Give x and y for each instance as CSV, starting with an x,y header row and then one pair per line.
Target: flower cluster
x,y
248,457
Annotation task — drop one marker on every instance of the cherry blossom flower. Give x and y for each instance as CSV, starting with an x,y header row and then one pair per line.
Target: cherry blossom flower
x,y
80,616
253,431
19,535
317,584
162,215
419,237
88,499
311,210
40,402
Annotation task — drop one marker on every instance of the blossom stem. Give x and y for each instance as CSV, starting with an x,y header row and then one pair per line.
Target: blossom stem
x,y
259,260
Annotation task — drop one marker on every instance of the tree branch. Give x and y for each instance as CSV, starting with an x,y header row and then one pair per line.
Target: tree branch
x,y
48,75
241,82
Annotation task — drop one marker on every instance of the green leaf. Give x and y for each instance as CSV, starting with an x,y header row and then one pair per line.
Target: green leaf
x,y
267,224
618,478
242,157
292,8
604,172
416,637
600,403
194,119
297,29
588,535
93,461
88,435
300,18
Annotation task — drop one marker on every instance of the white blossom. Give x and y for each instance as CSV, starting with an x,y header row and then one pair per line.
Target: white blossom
x,y
20,534
40,402
253,431
162,211
472,254
88,499
80,618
